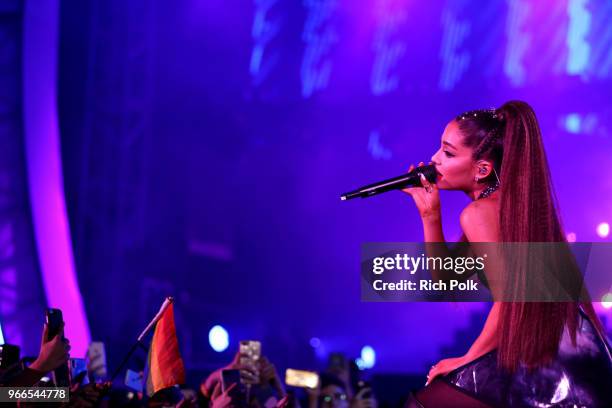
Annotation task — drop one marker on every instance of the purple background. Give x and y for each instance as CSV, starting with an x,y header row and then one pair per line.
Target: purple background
x,y
204,146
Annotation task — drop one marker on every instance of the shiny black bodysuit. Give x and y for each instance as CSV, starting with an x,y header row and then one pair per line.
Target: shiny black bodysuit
x,y
580,376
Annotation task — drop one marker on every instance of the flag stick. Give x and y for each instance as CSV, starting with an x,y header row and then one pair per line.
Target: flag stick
x,y
167,302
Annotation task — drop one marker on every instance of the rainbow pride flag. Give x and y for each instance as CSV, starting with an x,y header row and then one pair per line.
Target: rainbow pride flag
x,y
165,365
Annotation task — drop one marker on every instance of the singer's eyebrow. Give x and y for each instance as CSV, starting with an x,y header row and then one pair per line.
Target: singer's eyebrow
x,y
448,144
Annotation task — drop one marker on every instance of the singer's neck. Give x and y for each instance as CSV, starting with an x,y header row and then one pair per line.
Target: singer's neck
x,y
474,194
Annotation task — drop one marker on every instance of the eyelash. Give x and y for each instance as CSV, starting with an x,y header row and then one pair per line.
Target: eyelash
x,y
448,154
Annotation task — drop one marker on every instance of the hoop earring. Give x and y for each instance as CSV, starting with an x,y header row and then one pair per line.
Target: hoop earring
x,y
494,172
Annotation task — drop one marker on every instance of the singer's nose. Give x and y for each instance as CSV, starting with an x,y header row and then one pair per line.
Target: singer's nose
x,y
434,158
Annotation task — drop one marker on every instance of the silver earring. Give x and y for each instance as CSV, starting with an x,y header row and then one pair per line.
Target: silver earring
x,y
498,181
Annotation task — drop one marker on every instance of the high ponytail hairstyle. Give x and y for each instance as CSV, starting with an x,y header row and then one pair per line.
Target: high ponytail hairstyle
x,y
529,332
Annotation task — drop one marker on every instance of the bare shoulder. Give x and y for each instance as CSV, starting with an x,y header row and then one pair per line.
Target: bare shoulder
x,y
480,220
480,210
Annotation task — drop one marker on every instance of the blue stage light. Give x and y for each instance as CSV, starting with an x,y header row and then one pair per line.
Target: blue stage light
x,y
319,36
572,123
368,357
315,342
389,47
264,31
577,37
218,338
455,57
360,364
518,40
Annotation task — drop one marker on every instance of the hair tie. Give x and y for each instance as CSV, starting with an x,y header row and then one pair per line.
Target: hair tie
x,y
499,115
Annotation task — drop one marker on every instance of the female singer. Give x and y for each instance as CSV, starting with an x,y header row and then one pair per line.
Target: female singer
x,y
528,353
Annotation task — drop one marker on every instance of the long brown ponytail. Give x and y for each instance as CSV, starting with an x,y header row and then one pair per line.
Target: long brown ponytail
x,y
529,331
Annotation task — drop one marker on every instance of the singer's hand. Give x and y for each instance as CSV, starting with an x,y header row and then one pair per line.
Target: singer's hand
x,y
444,367
426,198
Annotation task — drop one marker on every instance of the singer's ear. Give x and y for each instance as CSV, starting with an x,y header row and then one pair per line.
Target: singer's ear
x,y
482,169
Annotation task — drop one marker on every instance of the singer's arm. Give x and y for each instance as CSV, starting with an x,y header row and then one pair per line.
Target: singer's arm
x,y
487,340
432,228
435,246
427,200
480,224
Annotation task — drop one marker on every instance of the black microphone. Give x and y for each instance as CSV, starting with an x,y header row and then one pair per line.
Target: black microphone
x,y
410,179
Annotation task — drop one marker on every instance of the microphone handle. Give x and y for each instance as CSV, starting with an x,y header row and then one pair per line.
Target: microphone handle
x,y
395,183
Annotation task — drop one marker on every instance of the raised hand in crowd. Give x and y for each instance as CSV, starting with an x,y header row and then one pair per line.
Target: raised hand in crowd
x,y
313,396
53,352
224,399
290,400
248,375
269,377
